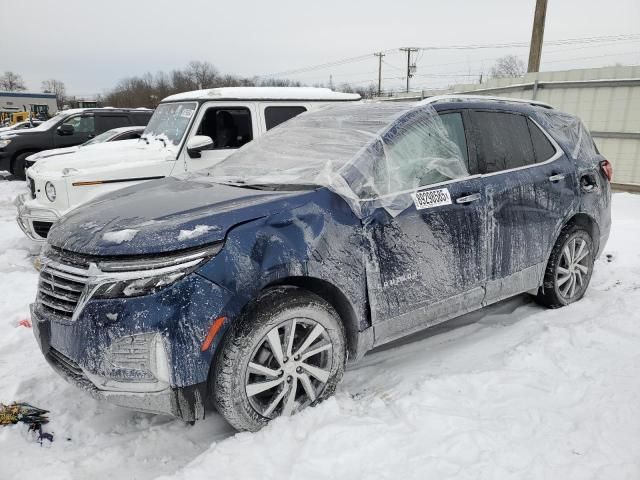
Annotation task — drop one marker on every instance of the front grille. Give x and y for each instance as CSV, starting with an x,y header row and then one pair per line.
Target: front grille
x,y
42,228
60,288
32,186
65,363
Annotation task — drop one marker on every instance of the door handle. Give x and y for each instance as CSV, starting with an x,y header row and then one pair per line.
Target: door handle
x,y
557,177
474,197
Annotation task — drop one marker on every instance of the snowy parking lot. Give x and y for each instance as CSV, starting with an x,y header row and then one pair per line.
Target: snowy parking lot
x,y
513,391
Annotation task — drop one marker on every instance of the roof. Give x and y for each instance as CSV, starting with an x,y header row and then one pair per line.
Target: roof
x,y
481,99
27,95
69,111
265,93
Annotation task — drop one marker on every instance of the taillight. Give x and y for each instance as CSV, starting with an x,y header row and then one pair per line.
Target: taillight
x,y
607,169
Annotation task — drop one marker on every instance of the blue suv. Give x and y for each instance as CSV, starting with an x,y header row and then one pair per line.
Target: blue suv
x,y
249,286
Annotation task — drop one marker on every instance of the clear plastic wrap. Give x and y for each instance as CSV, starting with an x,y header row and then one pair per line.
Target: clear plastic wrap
x,y
371,154
570,132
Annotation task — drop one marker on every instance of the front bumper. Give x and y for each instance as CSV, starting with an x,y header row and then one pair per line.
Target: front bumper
x,y
81,350
34,220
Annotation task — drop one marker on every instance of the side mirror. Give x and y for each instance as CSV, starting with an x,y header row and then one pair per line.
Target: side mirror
x,y
65,129
198,143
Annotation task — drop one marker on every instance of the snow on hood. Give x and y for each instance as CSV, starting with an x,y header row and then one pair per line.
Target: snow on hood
x,y
101,155
52,153
167,215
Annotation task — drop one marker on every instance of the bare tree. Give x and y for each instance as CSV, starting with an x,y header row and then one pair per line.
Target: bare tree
x,y
12,82
203,74
57,87
508,66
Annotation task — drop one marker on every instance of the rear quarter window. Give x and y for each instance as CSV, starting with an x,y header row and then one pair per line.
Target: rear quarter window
x,y
542,147
276,115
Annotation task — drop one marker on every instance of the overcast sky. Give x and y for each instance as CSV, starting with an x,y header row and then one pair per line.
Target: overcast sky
x,y
90,45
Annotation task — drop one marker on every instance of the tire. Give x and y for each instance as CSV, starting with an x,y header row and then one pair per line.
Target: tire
x,y
235,386
19,166
569,270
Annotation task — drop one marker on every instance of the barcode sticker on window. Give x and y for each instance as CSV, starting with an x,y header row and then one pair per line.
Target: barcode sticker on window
x,y
431,198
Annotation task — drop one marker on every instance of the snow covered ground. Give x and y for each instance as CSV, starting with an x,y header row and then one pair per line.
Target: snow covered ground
x,y
514,391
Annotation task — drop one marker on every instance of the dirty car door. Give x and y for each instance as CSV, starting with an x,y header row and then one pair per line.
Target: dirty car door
x,y
427,262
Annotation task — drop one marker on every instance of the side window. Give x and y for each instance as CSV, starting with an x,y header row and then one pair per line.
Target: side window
x,y
107,122
227,127
140,118
274,116
81,124
542,147
417,154
455,128
503,141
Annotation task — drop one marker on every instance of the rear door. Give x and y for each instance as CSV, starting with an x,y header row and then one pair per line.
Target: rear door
x,y
529,188
427,263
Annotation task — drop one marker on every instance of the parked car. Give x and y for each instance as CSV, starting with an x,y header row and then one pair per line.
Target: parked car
x,y
249,285
113,135
21,126
188,132
66,129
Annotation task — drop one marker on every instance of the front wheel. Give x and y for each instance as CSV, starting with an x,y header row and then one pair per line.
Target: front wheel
x,y
19,165
287,353
569,269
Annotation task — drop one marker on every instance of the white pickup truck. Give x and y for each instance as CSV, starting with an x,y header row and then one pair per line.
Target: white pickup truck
x,y
188,131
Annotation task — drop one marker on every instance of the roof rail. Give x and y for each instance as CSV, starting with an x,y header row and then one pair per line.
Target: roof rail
x,y
464,97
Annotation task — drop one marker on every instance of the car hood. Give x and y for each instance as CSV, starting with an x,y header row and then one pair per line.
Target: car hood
x,y
164,216
107,155
52,153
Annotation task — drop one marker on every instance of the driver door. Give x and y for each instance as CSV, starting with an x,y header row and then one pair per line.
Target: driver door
x,y
229,126
427,263
83,130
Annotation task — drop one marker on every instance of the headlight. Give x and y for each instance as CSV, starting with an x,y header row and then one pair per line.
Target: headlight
x,y
50,190
4,142
143,276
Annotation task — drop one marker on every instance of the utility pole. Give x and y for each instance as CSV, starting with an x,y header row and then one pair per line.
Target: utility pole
x,y
410,68
535,50
379,55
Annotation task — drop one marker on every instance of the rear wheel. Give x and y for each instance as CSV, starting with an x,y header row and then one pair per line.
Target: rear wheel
x,y
286,354
569,269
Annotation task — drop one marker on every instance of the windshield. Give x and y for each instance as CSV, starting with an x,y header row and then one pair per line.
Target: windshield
x,y
307,146
51,122
103,137
170,121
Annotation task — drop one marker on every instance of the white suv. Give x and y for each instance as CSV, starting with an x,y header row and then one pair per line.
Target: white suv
x,y
188,131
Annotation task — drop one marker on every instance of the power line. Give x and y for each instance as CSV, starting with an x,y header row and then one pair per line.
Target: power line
x,y
360,58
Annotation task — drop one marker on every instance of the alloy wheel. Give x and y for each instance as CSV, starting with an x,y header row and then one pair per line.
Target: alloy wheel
x,y
573,268
289,368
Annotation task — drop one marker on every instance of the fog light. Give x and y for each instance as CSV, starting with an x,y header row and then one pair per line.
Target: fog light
x,y
160,360
50,190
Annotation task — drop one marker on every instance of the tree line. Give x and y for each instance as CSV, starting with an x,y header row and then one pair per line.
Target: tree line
x,y
149,89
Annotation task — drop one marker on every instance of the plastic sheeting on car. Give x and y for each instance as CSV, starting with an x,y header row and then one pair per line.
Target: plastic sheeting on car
x,y
371,154
570,132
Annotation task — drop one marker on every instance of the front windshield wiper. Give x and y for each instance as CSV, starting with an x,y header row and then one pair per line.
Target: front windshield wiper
x,y
142,137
